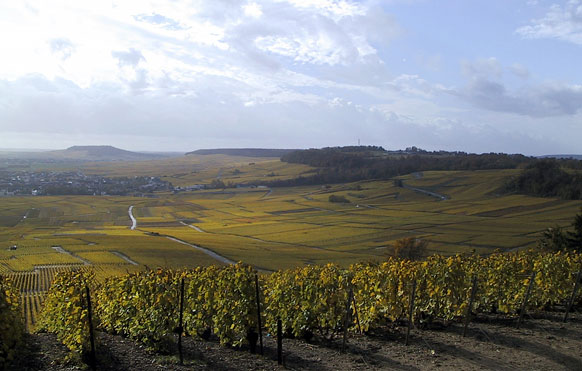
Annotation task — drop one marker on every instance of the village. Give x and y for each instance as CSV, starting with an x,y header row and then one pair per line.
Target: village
x,y
13,183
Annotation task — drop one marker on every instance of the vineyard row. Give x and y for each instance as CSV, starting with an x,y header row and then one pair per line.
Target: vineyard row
x,y
312,299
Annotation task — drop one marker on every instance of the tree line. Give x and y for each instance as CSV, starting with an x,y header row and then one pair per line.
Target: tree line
x,y
549,178
545,177
348,164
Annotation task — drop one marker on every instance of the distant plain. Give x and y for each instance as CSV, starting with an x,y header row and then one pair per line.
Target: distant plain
x,y
270,228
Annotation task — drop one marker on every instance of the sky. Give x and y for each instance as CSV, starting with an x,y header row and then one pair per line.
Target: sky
x,y
177,75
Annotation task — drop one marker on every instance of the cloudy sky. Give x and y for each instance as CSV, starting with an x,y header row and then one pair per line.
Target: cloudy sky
x,y
478,76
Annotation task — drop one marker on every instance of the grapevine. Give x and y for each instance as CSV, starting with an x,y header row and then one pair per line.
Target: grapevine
x,y
11,327
221,300
142,306
65,311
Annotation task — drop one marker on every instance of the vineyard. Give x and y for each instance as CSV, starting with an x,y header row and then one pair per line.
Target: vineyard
x,y
33,287
310,300
10,324
312,248
277,228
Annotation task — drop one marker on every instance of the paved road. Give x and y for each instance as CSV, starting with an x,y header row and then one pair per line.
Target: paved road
x,y
63,251
193,227
133,220
124,257
429,193
210,253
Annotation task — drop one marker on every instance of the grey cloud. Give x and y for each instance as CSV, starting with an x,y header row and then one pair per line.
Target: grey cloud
x,y
131,57
482,68
140,83
539,101
486,89
519,70
189,120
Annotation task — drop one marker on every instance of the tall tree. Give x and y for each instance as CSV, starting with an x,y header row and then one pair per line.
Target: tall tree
x,y
575,237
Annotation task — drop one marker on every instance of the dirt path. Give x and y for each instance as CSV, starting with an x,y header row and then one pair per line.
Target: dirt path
x,y
124,257
63,251
543,343
133,220
426,192
267,194
210,253
193,227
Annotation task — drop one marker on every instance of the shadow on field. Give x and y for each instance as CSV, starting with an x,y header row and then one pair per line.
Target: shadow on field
x,y
469,356
521,344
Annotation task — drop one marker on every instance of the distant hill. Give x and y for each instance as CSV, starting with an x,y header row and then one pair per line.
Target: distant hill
x,y
246,152
575,157
100,153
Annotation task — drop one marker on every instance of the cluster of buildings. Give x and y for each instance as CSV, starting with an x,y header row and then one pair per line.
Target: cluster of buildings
x,y
14,183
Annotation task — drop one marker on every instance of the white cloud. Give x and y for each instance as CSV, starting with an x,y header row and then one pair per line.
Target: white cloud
x,y
560,22
62,47
317,48
253,10
245,72
160,20
334,9
130,57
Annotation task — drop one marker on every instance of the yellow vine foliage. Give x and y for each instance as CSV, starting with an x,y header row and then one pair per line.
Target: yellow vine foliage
x,y
142,306
11,327
309,299
145,305
65,310
235,309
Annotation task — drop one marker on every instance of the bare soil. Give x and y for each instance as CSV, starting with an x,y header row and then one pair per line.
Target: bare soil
x,y
543,342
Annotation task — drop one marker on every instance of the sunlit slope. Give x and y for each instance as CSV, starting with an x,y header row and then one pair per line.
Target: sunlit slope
x,y
83,230
300,223
202,169
276,228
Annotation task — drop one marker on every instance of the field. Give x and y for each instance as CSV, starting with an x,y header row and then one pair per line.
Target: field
x,y
269,228
275,228
186,170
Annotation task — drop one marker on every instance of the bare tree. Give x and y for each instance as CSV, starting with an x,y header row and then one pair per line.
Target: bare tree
x,y
410,248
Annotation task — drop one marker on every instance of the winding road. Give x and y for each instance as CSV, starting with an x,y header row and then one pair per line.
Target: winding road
x,y
267,194
428,193
133,220
124,257
60,249
193,227
210,253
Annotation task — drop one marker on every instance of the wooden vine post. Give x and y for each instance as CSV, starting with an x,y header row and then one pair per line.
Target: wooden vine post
x,y
356,312
347,319
470,307
525,299
410,311
181,325
259,324
279,341
92,357
573,296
